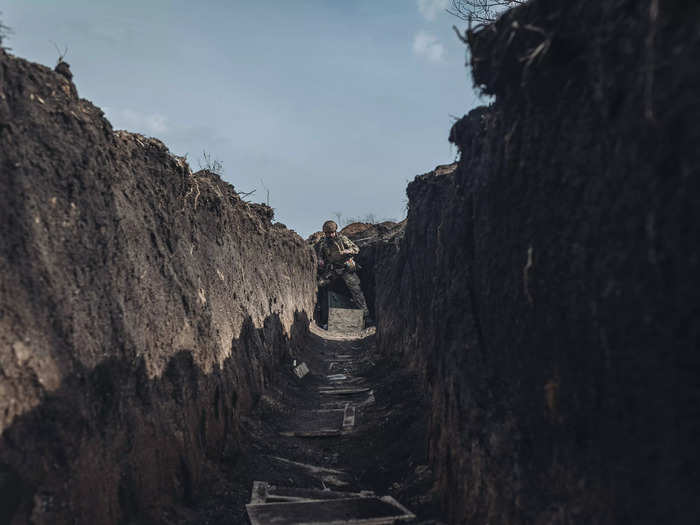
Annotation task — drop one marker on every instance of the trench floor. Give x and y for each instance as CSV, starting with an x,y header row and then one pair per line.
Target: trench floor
x,y
347,440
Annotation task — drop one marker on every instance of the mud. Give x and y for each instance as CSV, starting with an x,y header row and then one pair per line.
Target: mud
x,y
547,289
143,310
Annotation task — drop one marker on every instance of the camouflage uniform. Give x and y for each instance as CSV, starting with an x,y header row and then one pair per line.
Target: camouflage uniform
x,y
341,265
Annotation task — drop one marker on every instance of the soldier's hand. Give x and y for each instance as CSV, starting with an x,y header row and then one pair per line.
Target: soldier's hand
x,y
321,264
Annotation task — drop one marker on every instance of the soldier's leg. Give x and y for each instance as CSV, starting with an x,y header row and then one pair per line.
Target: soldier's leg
x,y
352,281
323,305
323,286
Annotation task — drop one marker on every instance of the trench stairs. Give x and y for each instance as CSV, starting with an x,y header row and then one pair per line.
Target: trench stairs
x,y
341,397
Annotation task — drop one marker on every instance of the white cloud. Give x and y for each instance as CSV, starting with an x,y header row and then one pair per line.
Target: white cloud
x,y
430,8
152,124
428,46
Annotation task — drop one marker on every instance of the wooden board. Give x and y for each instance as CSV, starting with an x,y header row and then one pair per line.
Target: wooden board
x,y
342,317
355,511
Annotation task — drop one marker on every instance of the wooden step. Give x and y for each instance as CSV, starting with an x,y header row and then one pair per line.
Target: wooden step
x,y
353,510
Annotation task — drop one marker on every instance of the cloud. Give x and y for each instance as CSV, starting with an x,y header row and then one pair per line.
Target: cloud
x,y
428,47
430,8
152,124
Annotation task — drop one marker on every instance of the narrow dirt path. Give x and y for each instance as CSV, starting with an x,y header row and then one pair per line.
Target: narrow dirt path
x,y
344,442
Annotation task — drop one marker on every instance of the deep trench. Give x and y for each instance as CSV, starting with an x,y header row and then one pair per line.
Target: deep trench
x,y
535,357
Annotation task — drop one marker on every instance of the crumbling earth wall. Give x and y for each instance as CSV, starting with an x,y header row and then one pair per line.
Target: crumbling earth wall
x,y
548,289
142,310
370,239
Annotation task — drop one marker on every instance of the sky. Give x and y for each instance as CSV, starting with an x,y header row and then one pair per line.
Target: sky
x,y
329,107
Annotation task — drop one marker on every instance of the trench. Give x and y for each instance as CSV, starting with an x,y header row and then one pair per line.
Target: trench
x,y
535,356
343,443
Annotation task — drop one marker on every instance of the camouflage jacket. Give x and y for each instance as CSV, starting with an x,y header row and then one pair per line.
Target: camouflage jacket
x,y
328,249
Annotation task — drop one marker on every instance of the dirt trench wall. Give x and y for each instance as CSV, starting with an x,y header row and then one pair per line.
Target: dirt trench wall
x,y
371,239
548,288
142,310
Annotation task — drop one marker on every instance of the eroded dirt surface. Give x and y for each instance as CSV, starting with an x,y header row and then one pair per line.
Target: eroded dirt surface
x,y
383,452
143,308
548,286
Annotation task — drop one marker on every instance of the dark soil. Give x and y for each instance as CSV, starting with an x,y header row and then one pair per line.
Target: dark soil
x,y
371,238
385,452
538,313
143,309
547,290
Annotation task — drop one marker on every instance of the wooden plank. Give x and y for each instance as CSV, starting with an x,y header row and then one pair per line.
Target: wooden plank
x,y
321,432
351,511
343,391
345,320
348,417
306,466
301,370
264,492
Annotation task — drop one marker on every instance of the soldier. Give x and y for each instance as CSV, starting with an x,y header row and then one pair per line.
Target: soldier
x,y
335,259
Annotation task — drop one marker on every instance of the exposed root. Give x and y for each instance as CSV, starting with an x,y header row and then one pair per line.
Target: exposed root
x,y
193,187
541,49
215,187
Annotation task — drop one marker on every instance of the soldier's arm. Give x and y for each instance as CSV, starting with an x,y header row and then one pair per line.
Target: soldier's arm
x,y
320,255
350,247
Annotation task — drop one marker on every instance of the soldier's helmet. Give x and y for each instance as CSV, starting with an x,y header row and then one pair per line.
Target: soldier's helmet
x,y
329,227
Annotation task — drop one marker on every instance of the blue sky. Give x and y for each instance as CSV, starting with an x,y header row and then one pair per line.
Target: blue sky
x,y
331,105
